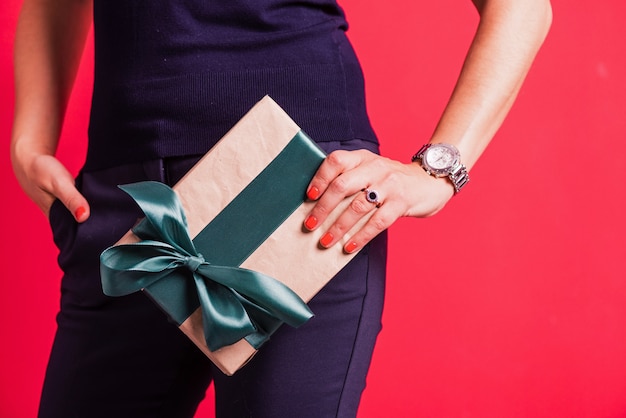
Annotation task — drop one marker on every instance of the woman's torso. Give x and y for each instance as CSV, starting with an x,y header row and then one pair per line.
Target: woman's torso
x,y
173,76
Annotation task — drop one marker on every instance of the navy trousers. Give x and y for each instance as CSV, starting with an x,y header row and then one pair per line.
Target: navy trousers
x,y
120,357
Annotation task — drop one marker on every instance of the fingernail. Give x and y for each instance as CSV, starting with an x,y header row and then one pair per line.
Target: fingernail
x,y
310,222
78,214
350,247
326,239
313,193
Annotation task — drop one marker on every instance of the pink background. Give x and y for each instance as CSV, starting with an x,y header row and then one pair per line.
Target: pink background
x,y
509,303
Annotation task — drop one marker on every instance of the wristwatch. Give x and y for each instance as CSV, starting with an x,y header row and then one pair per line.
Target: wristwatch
x,y
441,160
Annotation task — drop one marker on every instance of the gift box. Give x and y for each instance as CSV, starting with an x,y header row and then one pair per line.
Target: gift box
x,y
231,261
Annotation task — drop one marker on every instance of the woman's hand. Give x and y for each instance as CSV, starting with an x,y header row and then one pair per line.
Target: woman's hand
x,y
45,179
47,55
402,189
507,39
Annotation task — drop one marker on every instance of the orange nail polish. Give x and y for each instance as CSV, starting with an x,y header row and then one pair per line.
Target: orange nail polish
x,y
350,247
78,214
310,222
313,193
326,239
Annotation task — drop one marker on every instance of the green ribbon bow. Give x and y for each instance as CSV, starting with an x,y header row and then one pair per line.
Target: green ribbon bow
x,y
236,303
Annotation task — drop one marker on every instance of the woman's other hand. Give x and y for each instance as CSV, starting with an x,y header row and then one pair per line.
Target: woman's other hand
x,y
45,179
47,55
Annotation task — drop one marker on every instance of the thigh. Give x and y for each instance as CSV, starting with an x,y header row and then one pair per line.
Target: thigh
x,y
114,357
319,369
122,360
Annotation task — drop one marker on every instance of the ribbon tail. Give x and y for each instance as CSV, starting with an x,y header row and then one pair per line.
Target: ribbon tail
x,y
224,319
267,292
266,323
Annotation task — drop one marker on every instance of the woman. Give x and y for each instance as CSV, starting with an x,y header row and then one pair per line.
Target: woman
x,y
170,79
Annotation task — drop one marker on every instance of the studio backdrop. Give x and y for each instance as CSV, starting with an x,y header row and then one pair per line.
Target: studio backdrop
x,y
511,302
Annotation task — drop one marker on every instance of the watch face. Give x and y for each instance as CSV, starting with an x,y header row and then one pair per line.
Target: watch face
x,y
441,158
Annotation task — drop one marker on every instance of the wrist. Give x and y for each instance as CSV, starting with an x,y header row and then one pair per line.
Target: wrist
x,y
443,161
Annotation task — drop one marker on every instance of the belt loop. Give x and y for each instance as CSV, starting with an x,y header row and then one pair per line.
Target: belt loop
x,y
155,170
174,168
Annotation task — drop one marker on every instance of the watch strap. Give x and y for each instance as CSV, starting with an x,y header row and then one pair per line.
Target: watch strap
x,y
459,177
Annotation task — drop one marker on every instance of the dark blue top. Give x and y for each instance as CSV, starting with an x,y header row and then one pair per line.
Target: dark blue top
x,y
173,76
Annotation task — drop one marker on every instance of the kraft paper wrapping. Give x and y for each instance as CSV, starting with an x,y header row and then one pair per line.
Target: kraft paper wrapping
x,y
291,254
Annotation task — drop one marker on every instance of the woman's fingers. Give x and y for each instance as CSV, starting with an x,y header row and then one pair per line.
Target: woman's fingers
x,y
339,176
365,203
54,181
380,220
335,164
343,174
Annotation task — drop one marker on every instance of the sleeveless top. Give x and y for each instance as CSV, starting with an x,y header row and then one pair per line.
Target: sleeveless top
x,y
172,76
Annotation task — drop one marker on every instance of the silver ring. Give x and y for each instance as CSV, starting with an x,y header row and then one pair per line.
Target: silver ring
x,y
372,197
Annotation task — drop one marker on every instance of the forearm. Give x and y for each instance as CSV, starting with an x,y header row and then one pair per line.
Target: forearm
x,y
508,37
49,42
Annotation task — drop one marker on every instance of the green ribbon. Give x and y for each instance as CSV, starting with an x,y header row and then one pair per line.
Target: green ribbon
x,y
236,303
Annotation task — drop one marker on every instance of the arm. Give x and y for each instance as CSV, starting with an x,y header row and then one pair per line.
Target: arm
x,y
507,39
49,42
